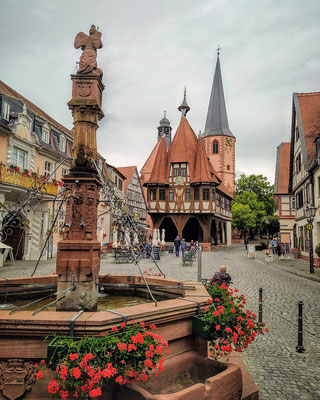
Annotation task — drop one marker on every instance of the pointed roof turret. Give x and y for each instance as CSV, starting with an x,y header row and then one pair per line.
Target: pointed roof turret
x,y
217,120
159,170
203,170
184,108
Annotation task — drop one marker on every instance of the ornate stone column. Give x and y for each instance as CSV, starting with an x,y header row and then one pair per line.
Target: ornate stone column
x,y
78,256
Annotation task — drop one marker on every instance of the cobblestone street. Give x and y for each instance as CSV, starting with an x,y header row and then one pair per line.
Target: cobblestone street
x,y
279,371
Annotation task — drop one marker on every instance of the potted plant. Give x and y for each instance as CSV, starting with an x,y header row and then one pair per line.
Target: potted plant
x,y
225,323
296,252
14,168
268,255
88,366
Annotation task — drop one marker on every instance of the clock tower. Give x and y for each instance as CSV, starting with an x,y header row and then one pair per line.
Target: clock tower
x,y
218,139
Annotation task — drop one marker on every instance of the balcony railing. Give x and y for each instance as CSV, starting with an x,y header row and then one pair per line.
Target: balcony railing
x,y
23,180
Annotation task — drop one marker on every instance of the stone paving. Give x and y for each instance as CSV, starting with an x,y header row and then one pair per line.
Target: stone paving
x,y
279,371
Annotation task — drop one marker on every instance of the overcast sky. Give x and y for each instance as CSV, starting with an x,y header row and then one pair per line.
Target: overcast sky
x,y
152,49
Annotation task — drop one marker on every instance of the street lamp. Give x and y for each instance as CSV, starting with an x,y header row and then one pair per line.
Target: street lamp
x,y
310,213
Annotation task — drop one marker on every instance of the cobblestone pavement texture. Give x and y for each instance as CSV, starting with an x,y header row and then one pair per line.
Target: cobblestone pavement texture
x,y
279,371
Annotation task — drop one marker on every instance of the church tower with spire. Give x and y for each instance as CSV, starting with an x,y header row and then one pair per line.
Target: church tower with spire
x,y
218,139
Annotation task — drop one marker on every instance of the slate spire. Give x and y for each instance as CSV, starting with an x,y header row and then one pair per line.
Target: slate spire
x,y
217,120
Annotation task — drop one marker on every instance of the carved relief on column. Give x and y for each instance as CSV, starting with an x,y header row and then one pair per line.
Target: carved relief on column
x,y
16,377
81,209
84,148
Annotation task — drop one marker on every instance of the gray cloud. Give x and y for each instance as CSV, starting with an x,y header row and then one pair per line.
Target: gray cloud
x,y
152,49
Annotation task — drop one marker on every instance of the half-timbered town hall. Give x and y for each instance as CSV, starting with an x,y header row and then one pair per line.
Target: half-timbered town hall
x,y
189,180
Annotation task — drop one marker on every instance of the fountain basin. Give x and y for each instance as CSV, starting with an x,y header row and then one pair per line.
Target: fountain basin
x,y
21,333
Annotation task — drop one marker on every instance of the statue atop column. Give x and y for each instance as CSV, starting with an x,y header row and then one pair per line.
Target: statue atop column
x,y
78,256
89,45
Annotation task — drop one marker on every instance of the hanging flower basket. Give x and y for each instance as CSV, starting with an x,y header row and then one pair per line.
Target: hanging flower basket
x,y
225,323
201,328
56,348
90,365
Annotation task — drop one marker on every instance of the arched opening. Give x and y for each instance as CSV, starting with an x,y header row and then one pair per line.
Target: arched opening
x,y
215,147
14,234
170,229
192,230
213,232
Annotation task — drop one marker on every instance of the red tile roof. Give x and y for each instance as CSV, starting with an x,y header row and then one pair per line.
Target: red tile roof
x,y
11,92
184,146
159,172
283,169
127,173
225,190
148,165
309,104
203,170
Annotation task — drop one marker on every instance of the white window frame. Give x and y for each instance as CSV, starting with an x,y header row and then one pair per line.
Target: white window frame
x,y
62,144
17,161
64,172
48,171
6,111
45,133
293,203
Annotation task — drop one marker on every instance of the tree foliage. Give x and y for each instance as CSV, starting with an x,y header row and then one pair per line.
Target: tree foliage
x,y
243,218
259,185
253,203
271,225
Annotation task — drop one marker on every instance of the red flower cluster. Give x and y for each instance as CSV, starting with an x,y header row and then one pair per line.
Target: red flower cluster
x,y
230,326
127,356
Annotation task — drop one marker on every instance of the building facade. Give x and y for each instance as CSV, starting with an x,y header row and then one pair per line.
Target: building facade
x,y
304,178
33,146
286,202
189,180
133,194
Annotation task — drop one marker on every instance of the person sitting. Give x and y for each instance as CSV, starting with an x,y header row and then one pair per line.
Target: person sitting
x,y
222,276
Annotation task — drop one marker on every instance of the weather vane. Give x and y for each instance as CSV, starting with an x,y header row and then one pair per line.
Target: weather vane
x,y
218,49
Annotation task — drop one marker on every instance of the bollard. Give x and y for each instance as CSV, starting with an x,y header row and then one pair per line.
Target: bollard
x,y
300,348
199,263
260,306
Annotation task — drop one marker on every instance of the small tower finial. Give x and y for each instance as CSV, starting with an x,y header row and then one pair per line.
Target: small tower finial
x,y
165,114
184,108
218,49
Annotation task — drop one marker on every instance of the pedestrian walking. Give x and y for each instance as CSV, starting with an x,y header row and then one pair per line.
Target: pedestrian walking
x,y
183,247
279,250
177,243
274,245
246,241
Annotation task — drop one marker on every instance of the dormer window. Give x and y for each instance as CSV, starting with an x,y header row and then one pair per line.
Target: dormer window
x,y
45,133
62,144
6,111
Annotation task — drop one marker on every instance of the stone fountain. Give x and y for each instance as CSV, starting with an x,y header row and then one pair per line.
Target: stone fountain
x,y
77,277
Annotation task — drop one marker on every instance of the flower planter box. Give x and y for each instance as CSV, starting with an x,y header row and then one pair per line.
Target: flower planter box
x,y
54,349
198,328
188,376
269,258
